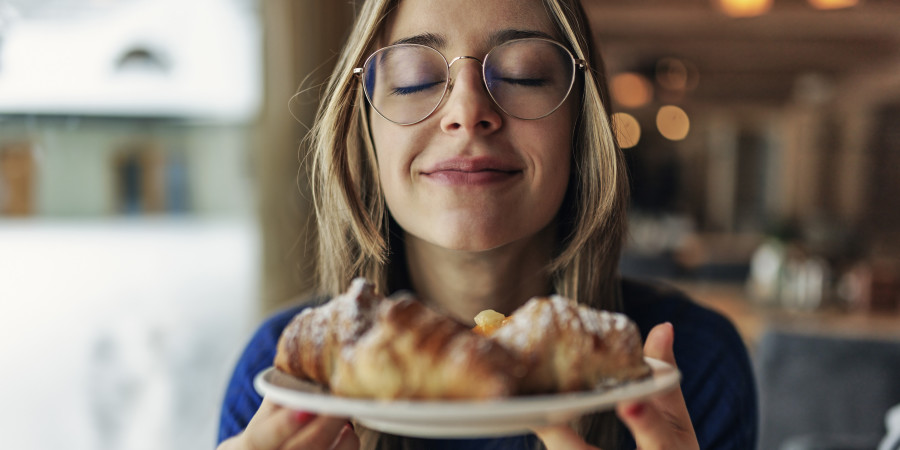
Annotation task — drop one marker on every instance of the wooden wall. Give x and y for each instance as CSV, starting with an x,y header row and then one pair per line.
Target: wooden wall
x,y
301,39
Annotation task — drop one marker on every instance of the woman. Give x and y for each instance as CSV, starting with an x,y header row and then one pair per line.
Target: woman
x,y
464,151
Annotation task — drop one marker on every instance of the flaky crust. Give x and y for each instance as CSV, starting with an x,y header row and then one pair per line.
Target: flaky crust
x,y
361,344
415,352
311,344
569,347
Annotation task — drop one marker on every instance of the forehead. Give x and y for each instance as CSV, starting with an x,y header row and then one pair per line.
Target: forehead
x,y
468,23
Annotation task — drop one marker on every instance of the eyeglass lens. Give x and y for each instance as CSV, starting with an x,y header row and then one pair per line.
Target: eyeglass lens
x,y
527,79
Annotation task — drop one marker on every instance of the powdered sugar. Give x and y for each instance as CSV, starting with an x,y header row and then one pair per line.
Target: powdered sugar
x,y
344,318
529,325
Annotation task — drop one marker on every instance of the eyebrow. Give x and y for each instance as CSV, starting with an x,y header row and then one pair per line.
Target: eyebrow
x,y
497,38
427,39
502,36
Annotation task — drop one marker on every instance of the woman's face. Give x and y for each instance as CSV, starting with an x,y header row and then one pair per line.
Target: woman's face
x,y
470,177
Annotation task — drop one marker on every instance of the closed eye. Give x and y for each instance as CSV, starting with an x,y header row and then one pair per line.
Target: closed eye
x,y
409,90
529,82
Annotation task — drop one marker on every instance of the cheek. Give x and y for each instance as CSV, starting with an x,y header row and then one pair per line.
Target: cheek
x,y
555,169
565,139
553,156
386,143
558,172
394,154
561,154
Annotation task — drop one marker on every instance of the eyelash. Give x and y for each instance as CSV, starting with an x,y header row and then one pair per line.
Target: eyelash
x,y
409,90
528,82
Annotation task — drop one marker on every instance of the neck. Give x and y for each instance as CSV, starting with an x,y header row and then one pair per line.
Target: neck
x,y
463,284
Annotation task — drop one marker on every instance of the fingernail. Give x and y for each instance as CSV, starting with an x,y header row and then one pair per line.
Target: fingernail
x,y
635,410
351,425
302,417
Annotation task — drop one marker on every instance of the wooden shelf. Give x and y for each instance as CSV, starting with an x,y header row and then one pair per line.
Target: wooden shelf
x,y
752,319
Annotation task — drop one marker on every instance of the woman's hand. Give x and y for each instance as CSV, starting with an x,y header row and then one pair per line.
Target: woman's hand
x,y
274,427
656,423
661,421
562,437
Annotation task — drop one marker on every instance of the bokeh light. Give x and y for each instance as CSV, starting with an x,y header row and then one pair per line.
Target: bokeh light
x,y
673,123
631,90
833,4
672,73
627,128
744,8
676,74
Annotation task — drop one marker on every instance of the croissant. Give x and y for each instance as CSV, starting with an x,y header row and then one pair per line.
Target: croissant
x,y
570,347
415,352
362,345
311,344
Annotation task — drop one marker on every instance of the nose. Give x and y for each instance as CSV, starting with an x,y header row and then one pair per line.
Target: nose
x,y
469,108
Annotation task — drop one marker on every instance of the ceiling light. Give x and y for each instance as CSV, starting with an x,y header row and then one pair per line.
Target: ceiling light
x,y
832,4
744,8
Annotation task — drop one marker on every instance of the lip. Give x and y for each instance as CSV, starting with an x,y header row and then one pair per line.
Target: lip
x,y
472,171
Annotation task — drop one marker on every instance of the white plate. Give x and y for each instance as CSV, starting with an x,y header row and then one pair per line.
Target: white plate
x,y
462,418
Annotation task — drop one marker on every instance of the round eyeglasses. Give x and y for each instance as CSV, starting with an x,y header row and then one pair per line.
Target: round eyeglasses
x,y
526,78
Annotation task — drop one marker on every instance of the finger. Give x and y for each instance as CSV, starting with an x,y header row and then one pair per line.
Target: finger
x,y
663,420
659,343
347,440
321,433
272,425
651,429
562,437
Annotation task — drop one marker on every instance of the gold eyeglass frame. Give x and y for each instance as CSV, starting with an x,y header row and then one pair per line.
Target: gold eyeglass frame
x,y
577,64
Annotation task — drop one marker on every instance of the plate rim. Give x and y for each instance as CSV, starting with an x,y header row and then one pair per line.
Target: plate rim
x,y
663,377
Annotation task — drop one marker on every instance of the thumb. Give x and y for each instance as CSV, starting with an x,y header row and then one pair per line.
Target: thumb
x,y
562,437
659,343
663,420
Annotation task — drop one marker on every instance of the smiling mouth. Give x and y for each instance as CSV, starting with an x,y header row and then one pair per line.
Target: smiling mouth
x,y
484,177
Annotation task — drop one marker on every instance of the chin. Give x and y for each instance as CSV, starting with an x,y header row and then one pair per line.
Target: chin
x,y
472,241
465,233
472,247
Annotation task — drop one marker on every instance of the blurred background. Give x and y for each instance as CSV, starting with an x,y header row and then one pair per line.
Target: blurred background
x,y
153,207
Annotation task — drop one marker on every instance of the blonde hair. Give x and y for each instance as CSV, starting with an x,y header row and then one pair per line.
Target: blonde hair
x,y
353,224
352,220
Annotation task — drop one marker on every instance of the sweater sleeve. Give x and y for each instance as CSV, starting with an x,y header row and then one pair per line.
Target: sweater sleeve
x,y
241,399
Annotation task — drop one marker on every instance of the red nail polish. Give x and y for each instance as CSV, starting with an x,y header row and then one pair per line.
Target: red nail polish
x,y
303,417
635,410
352,428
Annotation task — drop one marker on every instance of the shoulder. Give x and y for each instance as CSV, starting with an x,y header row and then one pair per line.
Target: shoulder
x,y
717,376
